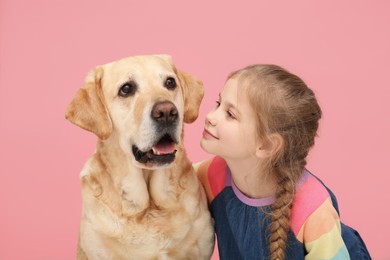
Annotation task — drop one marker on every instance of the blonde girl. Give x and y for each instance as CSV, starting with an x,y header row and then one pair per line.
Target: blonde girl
x,y
266,205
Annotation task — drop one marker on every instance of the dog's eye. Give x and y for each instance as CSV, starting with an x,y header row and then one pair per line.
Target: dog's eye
x,y
170,83
127,89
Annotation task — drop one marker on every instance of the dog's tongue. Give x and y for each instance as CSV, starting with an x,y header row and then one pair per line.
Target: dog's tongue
x,y
166,148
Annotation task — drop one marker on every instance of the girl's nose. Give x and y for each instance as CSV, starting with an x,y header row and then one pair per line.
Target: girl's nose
x,y
210,119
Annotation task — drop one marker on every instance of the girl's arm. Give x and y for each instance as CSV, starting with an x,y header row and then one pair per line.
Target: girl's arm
x,y
322,234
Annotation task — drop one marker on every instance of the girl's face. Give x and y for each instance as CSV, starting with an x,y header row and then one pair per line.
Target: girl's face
x,y
230,128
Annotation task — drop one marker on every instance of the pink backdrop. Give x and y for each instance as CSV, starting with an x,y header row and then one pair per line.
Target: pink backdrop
x,y
340,48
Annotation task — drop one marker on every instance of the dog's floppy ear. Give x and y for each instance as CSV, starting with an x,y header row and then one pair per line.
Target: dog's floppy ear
x,y
193,95
88,110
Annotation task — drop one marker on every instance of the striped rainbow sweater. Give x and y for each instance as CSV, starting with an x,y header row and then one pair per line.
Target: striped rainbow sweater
x,y
242,223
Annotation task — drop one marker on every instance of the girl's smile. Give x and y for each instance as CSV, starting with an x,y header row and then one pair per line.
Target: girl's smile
x,y
208,135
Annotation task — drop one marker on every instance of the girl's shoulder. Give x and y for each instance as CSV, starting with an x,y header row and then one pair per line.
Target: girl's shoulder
x,y
310,192
312,196
215,182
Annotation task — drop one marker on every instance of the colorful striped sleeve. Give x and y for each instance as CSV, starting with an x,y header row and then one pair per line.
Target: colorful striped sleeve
x,y
212,175
316,223
201,169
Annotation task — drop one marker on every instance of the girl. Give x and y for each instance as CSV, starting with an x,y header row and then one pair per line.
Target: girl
x,y
266,205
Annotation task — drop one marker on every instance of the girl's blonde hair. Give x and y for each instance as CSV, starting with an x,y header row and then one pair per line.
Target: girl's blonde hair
x,y
284,105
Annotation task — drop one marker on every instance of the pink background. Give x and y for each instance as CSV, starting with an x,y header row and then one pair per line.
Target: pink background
x,y
340,48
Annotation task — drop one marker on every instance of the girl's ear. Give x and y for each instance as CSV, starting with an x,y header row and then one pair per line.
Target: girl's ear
x,y
269,146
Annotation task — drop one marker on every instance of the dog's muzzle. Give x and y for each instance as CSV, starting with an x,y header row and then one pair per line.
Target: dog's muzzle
x,y
165,117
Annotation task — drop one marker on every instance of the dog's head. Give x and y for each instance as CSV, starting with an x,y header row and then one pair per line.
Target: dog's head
x,y
140,101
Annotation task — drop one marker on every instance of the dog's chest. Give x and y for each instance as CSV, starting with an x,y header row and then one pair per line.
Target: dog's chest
x,y
155,230
154,216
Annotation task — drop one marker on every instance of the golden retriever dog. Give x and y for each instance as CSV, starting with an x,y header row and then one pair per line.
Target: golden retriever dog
x,y
141,197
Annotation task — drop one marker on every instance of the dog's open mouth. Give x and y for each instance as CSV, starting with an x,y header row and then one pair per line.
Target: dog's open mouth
x,y
163,152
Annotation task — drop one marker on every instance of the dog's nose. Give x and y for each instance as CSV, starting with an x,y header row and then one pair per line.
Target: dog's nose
x,y
164,112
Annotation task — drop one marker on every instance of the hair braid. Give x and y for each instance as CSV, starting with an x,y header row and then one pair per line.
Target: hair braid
x,y
281,210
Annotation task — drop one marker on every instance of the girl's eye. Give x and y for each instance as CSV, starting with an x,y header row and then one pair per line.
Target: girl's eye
x,y
231,115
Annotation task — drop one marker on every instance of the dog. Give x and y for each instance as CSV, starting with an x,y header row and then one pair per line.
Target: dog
x,y
141,197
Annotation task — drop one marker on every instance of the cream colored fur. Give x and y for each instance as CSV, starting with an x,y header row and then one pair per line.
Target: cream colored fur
x,y
133,210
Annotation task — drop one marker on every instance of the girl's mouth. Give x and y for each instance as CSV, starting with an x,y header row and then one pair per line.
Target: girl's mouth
x,y
208,135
